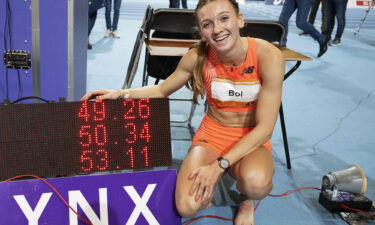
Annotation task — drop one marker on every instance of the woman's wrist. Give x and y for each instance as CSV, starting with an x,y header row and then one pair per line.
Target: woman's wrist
x,y
124,93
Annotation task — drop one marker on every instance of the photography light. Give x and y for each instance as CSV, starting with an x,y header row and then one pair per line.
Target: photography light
x,y
345,187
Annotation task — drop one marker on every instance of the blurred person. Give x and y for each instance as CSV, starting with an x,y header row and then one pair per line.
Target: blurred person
x,y
112,24
312,16
335,8
176,4
303,8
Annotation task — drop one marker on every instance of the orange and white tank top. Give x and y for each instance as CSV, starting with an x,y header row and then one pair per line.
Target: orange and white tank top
x,y
232,89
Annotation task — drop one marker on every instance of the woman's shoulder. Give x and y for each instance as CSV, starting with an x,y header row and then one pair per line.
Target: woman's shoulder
x,y
189,59
267,50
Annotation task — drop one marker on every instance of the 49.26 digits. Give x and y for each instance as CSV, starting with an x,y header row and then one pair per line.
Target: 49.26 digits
x,y
115,136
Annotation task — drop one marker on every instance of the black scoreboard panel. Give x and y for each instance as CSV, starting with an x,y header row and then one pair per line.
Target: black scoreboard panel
x,y
59,139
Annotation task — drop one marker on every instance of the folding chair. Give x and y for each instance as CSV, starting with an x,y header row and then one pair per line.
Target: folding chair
x,y
273,32
169,23
134,59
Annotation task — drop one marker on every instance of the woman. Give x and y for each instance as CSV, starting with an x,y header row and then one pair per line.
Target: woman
x,y
242,80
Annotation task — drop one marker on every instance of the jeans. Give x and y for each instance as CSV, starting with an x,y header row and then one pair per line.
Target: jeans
x,y
92,19
176,4
116,13
336,8
303,8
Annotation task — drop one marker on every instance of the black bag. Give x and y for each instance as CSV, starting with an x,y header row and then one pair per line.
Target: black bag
x,y
94,5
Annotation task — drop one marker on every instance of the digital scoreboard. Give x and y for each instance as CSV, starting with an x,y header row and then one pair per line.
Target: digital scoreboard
x,y
59,139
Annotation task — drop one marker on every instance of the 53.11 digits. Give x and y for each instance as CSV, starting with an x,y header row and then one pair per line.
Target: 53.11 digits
x,y
97,148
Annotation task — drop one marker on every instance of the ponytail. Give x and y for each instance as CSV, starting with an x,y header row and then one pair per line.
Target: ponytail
x,y
196,83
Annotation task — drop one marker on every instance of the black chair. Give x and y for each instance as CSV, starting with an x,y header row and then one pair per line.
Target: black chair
x,y
134,59
273,32
172,24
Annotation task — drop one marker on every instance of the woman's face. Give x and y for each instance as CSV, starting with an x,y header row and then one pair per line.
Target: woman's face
x,y
219,24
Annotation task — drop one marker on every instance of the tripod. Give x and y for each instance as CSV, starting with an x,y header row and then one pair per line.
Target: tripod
x,y
371,6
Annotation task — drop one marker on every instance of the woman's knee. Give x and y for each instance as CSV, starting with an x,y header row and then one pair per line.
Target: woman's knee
x,y
256,185
187,206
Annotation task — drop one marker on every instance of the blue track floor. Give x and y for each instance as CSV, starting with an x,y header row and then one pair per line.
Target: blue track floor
x,y
329,107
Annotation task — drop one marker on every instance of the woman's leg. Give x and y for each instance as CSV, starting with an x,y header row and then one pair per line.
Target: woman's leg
x,y
254,180
198,156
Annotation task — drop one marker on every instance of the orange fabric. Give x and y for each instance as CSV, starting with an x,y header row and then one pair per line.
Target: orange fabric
x,y
220,138
245,75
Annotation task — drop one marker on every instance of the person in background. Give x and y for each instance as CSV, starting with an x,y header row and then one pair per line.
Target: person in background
x,y
94,5
176,4
242,79
335,8
303,8
312,16
112,24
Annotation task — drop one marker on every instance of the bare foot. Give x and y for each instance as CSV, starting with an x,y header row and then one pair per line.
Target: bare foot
x,y
245,215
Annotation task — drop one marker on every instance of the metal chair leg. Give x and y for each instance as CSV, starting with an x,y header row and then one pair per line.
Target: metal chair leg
x,y
285,138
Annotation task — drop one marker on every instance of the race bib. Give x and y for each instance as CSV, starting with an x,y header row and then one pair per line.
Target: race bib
x,y
235,93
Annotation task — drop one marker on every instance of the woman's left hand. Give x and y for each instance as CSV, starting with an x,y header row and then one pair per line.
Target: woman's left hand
x,y
205,179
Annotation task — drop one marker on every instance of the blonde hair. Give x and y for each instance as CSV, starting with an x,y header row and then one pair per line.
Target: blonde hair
x,y
196,83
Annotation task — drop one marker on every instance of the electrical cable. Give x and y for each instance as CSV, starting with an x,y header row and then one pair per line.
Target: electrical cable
x,y
343,206
55,190
6,48
187,222
9,45
30,97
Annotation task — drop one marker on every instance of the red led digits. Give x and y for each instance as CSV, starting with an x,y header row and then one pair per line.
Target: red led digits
x,y
100,132
87,161
145,132
129,107
132,133
93,136
83,111
84,134
130,153
145,156
103,159
144,108
99,111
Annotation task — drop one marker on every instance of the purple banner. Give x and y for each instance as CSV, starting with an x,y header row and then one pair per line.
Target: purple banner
x,y
124,198
274,2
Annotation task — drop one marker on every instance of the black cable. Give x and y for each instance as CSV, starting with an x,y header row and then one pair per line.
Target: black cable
x,y
6,48
8,44
30,97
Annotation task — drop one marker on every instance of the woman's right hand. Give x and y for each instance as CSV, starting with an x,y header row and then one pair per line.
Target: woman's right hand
x,y
103,94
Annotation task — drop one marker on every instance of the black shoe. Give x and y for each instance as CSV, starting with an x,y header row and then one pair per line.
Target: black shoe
x,y
323,47
89,46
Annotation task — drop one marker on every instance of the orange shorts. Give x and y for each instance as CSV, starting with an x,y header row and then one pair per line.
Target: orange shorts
x,y
220,138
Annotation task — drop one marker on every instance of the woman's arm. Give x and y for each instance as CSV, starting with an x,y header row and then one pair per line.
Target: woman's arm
x,y
175,81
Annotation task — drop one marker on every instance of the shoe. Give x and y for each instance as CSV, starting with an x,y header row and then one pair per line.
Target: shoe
x,y
303,33
335,42
89,46
323,47
108,33
115,34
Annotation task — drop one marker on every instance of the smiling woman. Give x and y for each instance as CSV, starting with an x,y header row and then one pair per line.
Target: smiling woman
x,y
241,78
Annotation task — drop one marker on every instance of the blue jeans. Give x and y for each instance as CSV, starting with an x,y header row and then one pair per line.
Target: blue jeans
x,y
176,4
303,8
116,13
336,8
